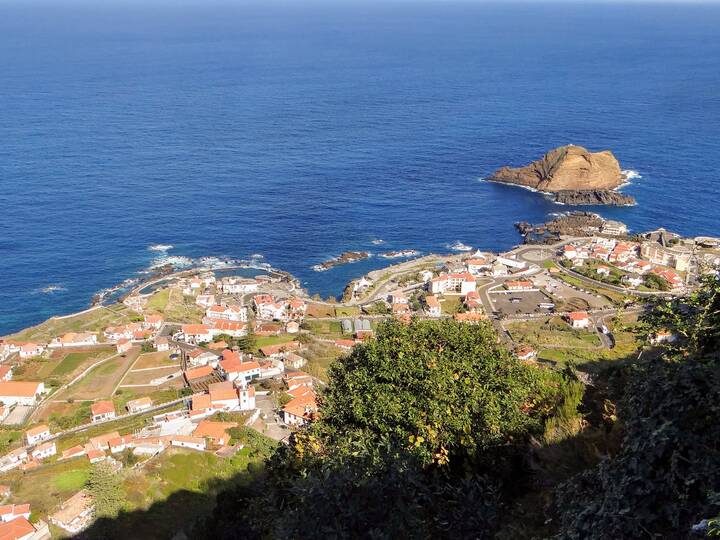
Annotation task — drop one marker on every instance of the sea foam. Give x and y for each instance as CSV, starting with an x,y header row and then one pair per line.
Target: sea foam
x,y
160,247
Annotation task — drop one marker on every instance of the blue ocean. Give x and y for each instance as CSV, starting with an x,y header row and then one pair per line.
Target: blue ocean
x,y
298,130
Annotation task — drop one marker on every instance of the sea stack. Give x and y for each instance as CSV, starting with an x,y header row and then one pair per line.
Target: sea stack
x,y
574,174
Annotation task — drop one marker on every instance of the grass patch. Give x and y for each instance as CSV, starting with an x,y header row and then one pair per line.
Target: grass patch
x,y
320,310
326,329
46,487
73,361
72,480
159,300
320,355
93,321
450,304
262,341
8,439
347,311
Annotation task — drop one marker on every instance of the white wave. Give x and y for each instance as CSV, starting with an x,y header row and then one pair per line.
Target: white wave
x,y
257,256
458,246
377,241
510,184
630,174
176,261
50,289
160,247
400,254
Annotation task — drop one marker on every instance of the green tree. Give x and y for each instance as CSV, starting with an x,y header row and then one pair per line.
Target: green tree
x,y
105,485
416,431
248,342
656,282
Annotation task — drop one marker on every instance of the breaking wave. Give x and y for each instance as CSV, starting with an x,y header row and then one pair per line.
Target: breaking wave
x,y
176,261
458,246
50,289
160,247
630,174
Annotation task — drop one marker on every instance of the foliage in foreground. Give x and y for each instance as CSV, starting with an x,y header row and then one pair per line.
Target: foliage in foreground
x,y
420,431
666,475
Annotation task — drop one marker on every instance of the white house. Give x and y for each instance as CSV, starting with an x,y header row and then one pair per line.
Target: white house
x,y
9,512
294,360
233,369
236,285
123,345
602,271
37,434
162,344
578,319
227,313
512,263
188,441
45,450
138,405
201,357
266,308
75,514
198,333
477,266
6,373
461,283
526,353
28,350
20,392
300,410
632,280
102,410
231,328
519,285
205,300
74,339
432,306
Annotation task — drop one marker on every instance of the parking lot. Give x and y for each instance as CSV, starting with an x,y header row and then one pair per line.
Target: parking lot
x,y
519,302
569,295
17,415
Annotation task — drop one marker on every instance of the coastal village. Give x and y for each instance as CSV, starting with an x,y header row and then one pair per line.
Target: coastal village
x,y
202,365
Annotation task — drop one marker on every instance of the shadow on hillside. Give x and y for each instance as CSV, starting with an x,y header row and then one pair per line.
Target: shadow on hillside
x,y
173,517
544,467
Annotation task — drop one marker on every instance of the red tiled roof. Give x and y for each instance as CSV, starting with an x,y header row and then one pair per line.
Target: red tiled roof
x,y
102,407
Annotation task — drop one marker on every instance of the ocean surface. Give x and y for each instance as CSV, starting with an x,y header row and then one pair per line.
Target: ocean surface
x,y
298,130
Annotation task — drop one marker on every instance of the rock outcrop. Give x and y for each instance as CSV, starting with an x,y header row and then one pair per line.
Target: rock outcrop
x,y
571,170
593,197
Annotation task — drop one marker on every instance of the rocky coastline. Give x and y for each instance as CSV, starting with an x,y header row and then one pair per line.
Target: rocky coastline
x,y
344,258
580,197
570,224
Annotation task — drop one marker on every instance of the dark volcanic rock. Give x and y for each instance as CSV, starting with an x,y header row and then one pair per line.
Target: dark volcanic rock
x,y
344,258
570,224
593,197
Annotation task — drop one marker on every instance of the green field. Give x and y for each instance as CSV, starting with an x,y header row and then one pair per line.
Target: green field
x,y
347,311
262,341
326,329
614,297
450,304
49,485
93,321
71,480
159,300
71,362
